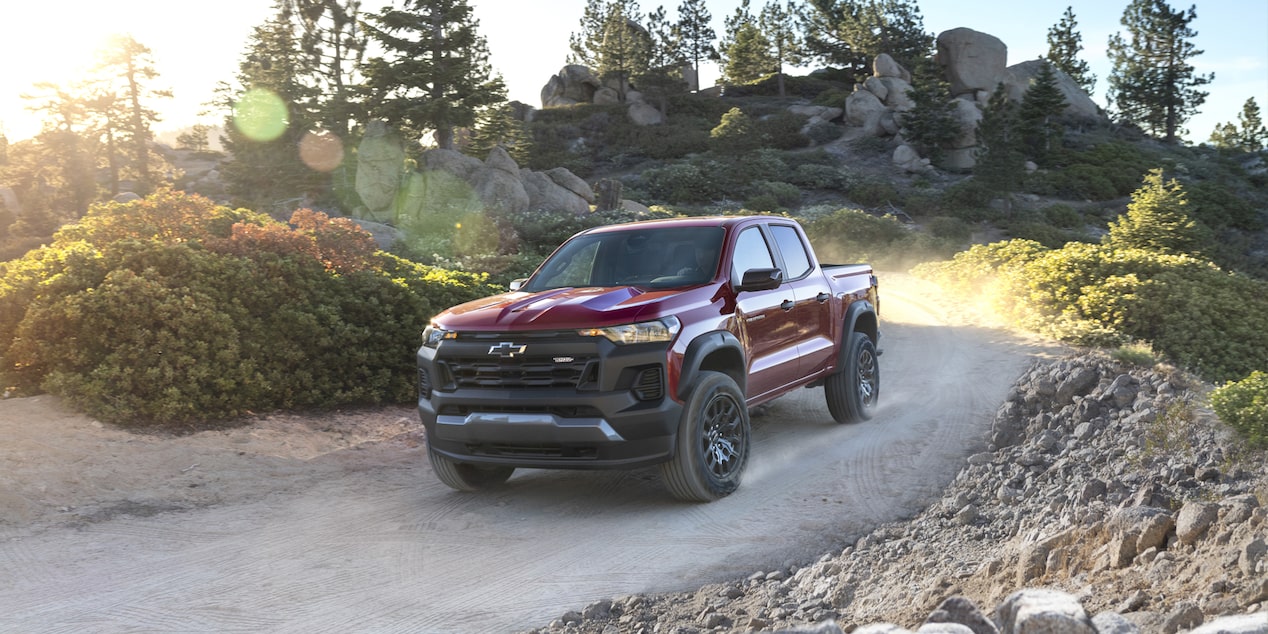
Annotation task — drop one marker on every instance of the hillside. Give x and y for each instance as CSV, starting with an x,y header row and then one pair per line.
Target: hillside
x,y
1108,500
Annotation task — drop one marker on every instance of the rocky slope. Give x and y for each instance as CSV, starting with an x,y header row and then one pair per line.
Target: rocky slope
x,y
1109,501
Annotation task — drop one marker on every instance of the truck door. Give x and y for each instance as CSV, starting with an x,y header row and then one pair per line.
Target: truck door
x,y
812,297
763,318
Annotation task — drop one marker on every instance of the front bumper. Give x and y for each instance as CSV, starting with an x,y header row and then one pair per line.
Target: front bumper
x,y
572,404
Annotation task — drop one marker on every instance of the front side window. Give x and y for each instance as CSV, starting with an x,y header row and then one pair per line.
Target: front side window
x,y
751,252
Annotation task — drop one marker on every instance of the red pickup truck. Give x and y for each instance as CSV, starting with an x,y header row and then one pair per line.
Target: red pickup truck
x,y
647,343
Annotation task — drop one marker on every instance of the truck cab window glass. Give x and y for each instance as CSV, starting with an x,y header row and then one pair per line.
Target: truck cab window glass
x,y
751,252
796,261
657,258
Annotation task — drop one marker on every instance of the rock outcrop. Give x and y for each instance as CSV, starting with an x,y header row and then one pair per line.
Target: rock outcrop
x,y
450,181
1103,502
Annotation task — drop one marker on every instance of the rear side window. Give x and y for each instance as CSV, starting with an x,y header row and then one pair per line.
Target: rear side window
x,y
751,252
796,260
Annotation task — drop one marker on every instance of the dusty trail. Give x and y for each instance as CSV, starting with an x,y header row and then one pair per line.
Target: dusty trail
x,y
365,539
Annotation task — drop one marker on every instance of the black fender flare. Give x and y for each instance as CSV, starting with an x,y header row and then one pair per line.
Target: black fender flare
x,y
853,313
702,348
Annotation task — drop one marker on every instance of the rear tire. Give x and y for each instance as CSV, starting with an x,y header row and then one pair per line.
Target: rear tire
x,y
465,476
852,392
713,441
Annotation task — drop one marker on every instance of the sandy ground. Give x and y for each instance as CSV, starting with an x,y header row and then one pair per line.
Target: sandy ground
x,y
334,522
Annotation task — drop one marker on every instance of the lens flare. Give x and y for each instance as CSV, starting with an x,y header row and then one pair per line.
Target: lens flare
x,y
260,115
321,150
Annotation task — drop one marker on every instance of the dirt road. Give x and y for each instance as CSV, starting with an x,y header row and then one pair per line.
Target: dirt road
x,y
338,525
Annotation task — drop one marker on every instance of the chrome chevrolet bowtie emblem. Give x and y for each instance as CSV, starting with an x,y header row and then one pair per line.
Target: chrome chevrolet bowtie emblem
x,y
507,349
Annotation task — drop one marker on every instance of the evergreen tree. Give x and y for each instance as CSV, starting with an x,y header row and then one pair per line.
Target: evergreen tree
x,y
56,177
778,23
130,64
1247,135
746,50
1152,83
330,34
850,33
195,139
497,126
1000,165
266,167
695,34
1157,219
612,42
1040,116
1064,45
930,126
663,75
435,73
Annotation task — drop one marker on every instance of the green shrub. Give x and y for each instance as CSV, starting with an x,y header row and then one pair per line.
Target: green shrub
x,y
679,183
138,318
815,176
782,131
871,193
1243,405
1063,216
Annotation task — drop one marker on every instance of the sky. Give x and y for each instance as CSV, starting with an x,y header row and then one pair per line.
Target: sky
x,y
528,42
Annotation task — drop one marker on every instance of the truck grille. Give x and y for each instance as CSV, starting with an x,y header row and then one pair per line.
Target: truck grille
x,y
572,372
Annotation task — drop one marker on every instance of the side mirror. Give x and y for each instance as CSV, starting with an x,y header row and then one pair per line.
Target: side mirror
x,y
760,280
517,284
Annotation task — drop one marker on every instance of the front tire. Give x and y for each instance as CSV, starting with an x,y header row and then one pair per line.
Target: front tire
x,y
713,441
852,392
464,476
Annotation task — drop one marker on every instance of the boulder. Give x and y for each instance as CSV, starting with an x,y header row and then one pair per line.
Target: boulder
x,y
606,96
862,106
1018,78
545,194
645,114
907,158
499,159
499,192
566,179
572,85
973,60
966,116
1041,610
1193,520
380,158
896,90
877,87
450,162
886,66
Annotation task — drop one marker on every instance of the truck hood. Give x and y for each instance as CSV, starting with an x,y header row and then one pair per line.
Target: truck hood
x,y
560,308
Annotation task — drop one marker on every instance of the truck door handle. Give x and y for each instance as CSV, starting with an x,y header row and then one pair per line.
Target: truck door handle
x,y
823,297
787,304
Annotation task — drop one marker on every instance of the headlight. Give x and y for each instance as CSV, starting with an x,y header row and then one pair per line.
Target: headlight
x,y
432,335
644,332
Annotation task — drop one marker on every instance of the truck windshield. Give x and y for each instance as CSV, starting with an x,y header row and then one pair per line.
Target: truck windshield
x,y
654,257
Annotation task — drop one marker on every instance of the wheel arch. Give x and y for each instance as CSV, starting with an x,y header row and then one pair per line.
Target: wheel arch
x,y
718,351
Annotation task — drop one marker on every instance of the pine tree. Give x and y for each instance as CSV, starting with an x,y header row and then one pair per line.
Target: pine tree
x,y
1157,219
778,23
1152,83
497,126
331,36
930,125
1000,165
1040,116
695,34
850,33
131,65
435,73
663,75
266,166
745,48
1247,135
1064,45
612,42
